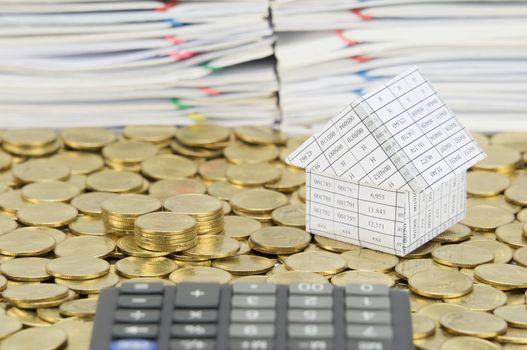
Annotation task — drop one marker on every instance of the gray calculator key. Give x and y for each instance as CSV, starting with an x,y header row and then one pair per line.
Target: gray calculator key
x,y
357,344
368,317
367,289
369,332
251,344
318,331
195,316
253,315
251,331
140,301
311,288
197,295
253,301
137,316
194,331
310,302
135,331
192,344
310,344
253,288
362,302
142,288
310,316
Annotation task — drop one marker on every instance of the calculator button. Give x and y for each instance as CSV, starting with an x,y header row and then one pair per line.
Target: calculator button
x,y
368,317
253,301
367,289
243,330
137,316
312,302
360,302
194,331
314,344
142,288
250,315
140,301
133,344
254,288
369,332
206,295
310,331
195,316
192,344
251,344
311,288
135,331
310,316
369,344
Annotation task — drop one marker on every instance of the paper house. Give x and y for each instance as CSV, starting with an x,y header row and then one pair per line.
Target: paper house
x,y
389,171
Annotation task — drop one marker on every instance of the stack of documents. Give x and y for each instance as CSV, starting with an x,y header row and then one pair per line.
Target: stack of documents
x,y
331,51
115,62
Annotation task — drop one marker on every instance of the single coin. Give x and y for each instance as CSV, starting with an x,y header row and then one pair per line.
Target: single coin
x,y
26,269
49,191
436,311
5,161
244,153
114,181
245,264
517,194
24,242
499,158
514,140
201,135
79,308
347,277
29,137
77,267
27,317
213,170
240,228
87,139
498,201
522,215
91,286
333,245
36,338
520,256
462,255
468,343
483,298
36,170
422,326
46,303
132,267
502,252
86,225
149,133
3,283
223,190
293,215
258,200
97,247
486,184
193,204
34,292
290,180
503,276
486,217
423,251
90,203
80,162
129,151
370,260
168,166
7,224
8,326
197,152
324,263
293,277
512,235
455,234
441,284
260,135
406,268
79,331
47,214
473,323
128,246
515,315
50,314
200,274
279,240
513,339
252,174
214,247
164,189
131,205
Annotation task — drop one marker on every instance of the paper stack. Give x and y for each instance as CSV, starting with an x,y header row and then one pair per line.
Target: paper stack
x,y
116,62
331,51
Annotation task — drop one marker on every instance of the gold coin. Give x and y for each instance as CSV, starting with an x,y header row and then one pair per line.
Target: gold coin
x,y
88,226
258,200
47,214
512,235
11,202
50,314
128,246
462,255
26,269
514,339
260,135
473,323
290,180
292,277
441,284
29,137
502,276
37,170
47,303
324,263
5,161
80,162
91,286
514,140
214,247
515,315
293,215
193,204
165,223
90,203
522,215
500,159
87,139
79,332
502,252
423,251
486,217
97,247
36,338
49,191
7,224
344,278
195,152
77,267
27,317
334,245
244,153
468,343
517,194
370,260
213,170
240,228
3,283
455,234
129,151
520,256
244,264
149,133
223,190
252,174
132,267
202,135
130,205
114,181
168,167
79,308
486,184
436,311
200,274
407,268
34,292
497,201
8,326
24,242
422,326
164,189
482,298
279,240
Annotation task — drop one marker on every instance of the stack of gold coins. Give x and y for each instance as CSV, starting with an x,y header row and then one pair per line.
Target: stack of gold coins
x,y
201,141
205,209
257,203
31,142
165,232
159,135
120,212
128,155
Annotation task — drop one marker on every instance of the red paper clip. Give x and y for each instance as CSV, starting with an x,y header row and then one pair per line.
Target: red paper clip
x,y
209,91
349,41
181,55
361,59
174,40
358,12
166,6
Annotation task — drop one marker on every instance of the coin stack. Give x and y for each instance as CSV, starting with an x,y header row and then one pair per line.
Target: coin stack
x,y
257,203
165,232
128,155
120,212
205,209
201,141
159,135
30,142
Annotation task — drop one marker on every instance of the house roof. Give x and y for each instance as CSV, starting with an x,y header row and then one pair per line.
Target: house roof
x,y
400,136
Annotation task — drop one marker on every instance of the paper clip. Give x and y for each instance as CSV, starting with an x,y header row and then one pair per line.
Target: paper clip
x,y
340,34
361,59
197,116
181,55
364,75
213,69
174,23
167,6
209,91
174,39
358,13
180,105
358,92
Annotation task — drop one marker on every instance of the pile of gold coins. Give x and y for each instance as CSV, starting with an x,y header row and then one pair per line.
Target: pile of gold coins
x,y
88,208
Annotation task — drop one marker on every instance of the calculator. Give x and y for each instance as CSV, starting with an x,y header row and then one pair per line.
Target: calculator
x,y
203,316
